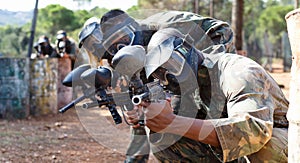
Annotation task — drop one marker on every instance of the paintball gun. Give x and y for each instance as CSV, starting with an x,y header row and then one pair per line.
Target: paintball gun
x,y
98,80
125,62
129,61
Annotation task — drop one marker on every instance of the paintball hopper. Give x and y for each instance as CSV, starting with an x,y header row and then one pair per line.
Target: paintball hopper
x,y
129,60
74,76
99,77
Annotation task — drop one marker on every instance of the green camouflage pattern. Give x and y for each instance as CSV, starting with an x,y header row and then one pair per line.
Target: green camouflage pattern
x,y
254,105
185,150
202,31
247,107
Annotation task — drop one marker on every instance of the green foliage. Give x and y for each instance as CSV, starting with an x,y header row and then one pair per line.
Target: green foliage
x,y
98,12
272,19
165,5
259,15
13,41
252,9
222,10
55,17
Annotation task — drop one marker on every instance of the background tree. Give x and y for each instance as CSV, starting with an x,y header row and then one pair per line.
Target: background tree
x,y
13,41
237,23
252,9
256,18
55,17
272,20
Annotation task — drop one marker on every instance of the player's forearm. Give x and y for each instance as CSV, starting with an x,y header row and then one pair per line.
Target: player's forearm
x,y
196,129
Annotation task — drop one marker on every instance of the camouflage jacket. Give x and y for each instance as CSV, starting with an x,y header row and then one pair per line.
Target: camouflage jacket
x,y
200,31
248,106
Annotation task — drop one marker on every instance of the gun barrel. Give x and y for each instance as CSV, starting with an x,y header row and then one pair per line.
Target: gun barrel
x,y
90,105
137,99
72,104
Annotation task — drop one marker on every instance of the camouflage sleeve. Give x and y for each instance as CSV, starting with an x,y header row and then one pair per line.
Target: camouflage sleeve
x,y
220,32
250,107
204,31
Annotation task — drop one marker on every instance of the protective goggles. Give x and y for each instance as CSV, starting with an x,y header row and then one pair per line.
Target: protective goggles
x,y
175,63
93,43
119,39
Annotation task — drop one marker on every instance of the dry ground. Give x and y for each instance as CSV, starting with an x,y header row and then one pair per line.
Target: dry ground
x,y
70,137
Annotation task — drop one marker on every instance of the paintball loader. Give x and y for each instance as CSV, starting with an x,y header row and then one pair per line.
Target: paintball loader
x,y
98,80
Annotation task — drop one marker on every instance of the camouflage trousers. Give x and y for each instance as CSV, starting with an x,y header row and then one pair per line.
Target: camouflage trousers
x,y
276,150
187,150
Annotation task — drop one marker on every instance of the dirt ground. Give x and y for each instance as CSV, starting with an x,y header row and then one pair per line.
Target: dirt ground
x,y
71,137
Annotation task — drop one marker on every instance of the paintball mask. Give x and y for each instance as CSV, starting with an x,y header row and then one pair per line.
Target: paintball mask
x,y
44,46
61,43
119,31
165,55
90,38
167,59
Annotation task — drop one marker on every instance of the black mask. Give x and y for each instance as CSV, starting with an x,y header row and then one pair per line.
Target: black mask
x,y
173,84
45,49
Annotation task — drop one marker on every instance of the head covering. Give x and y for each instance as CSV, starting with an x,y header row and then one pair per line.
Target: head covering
x,y
61,34
89,27
43,39
160,48
114,19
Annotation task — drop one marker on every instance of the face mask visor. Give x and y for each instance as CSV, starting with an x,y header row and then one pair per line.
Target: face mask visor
x,y
119,39
164,55
175,63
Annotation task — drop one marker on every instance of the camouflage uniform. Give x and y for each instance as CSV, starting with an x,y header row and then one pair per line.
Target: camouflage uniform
x,y
201,32
248,110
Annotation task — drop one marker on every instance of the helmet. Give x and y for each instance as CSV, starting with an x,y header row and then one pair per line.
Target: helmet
x,y
163,52
172,60
90,37
43,39
89,27
61,34
118,29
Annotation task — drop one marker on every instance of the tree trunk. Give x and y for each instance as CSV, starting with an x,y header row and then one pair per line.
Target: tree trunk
x,y
237,23
296,4
32,30
293,115
196,6
211,8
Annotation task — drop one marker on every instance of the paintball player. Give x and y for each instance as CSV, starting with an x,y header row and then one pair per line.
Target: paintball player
x,y
65,46
44,48
119,30
230,110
